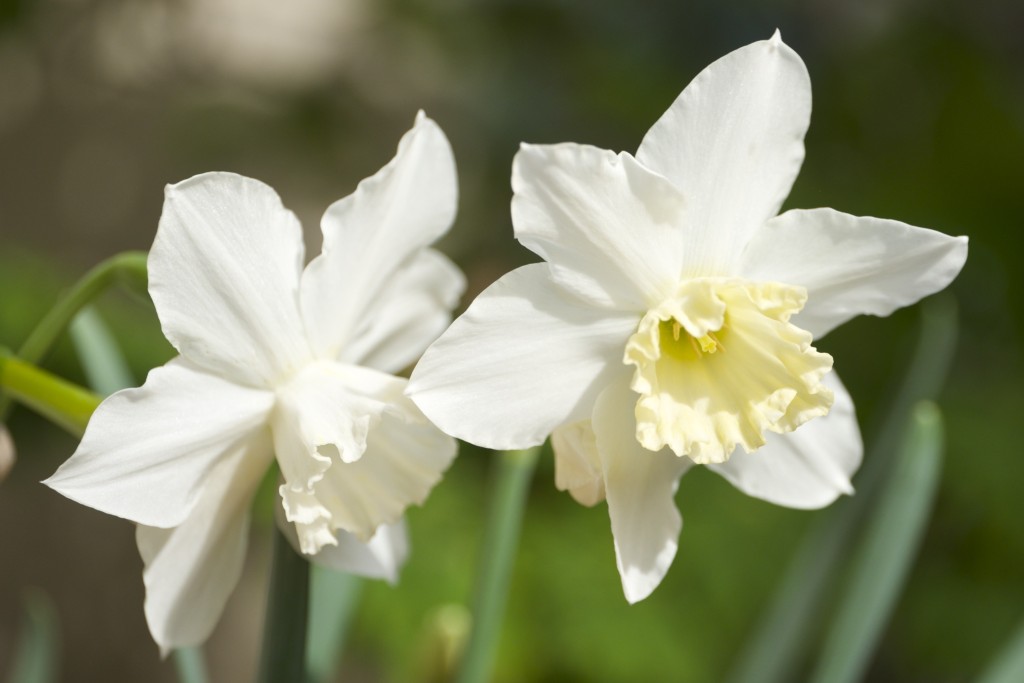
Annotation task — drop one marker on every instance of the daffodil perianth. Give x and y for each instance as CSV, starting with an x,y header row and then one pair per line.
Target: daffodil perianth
x,y
673,321
279,362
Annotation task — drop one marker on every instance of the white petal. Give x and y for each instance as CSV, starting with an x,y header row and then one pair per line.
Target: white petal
x,y
147,452
6,452
369,234
608,226
732,143
525,358
405,457
192,568
852,265
808,468
577,462
381,557
412,310
640,488
224,275
323,418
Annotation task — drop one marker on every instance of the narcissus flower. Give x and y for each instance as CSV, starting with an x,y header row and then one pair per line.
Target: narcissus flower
x,y
673,322
279,362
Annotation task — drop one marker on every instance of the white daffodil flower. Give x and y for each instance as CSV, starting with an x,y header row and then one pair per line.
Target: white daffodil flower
x,y
672,323
279,362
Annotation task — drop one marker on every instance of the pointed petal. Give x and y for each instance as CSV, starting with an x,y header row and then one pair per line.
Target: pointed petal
x,y
407,205
381,557
732,143
224,275
640,488
852,265
608,227
523,359
405,457
147,452
808,468
412,310
192,568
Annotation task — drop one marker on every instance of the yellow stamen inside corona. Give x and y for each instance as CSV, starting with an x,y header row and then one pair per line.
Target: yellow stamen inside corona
x,y
701,401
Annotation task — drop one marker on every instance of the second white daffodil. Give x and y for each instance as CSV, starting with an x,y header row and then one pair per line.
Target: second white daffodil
x,y
673,322
277,361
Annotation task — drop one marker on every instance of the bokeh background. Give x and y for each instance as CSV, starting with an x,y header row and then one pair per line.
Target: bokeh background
x,y
918,115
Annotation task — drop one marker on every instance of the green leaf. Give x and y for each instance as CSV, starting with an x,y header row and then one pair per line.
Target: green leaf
x,y
334,596
1008,665
515,470
884,558
38,650
105,367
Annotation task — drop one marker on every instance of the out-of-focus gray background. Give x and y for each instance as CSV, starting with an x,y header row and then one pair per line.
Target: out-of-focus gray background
x,y
918,115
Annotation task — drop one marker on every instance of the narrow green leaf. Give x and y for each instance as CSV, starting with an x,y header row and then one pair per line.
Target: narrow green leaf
x,y
785,632
515,470
1008,665
283,657
38,649
334,596
884,558
127,269
102,361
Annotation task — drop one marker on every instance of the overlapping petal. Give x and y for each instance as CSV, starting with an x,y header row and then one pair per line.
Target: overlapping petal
x,y
577,462
412,310
381,557
192,568
851,265
147,452
369,234
224,276
405,457
732,143
640,488
608,227
524,358
807,468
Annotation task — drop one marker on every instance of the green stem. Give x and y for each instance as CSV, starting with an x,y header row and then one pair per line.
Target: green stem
x,y
283,655
65,404
127,268
515,469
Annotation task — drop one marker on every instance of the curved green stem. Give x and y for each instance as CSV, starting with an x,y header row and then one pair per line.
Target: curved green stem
x,y
65,404
127,268
515,470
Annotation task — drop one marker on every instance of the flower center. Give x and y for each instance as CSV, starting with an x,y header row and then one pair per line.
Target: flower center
x,y
719,364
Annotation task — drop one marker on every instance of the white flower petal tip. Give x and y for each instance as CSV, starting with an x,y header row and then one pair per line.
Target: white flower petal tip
x,y
147,452
6,452
852,265
640,488
370,239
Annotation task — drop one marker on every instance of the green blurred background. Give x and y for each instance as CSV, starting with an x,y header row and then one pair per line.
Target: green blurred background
x,y
918,115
